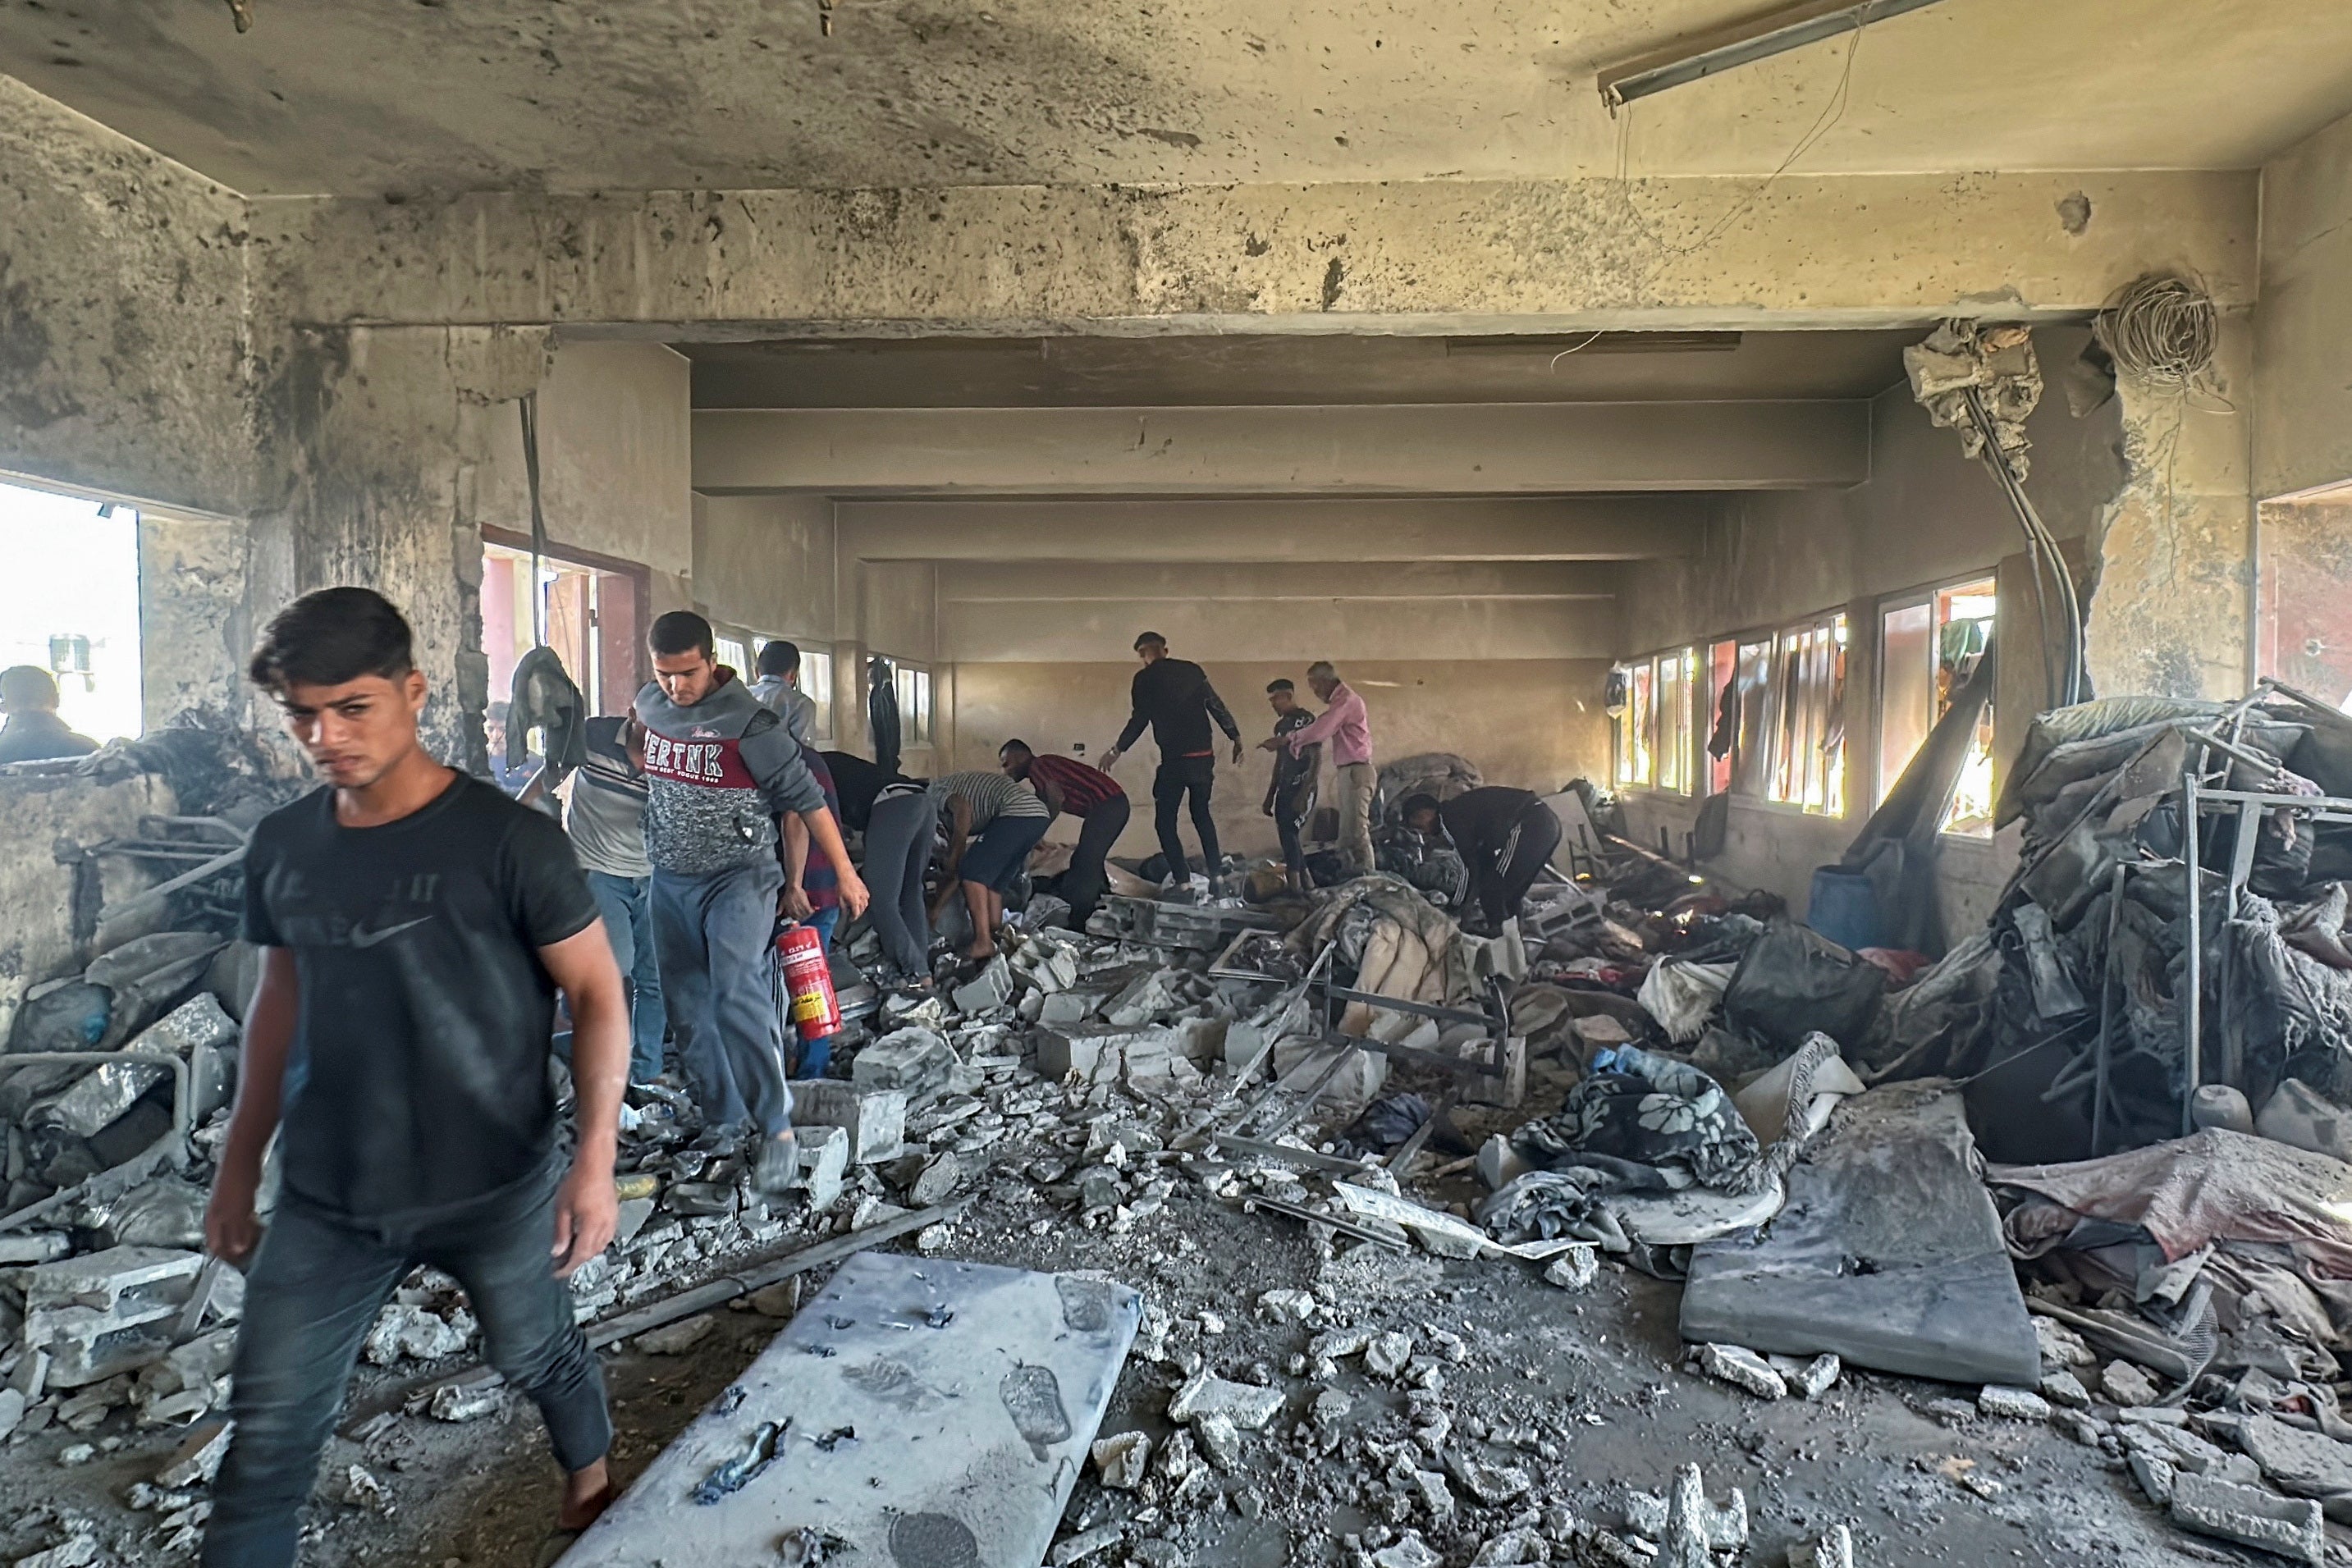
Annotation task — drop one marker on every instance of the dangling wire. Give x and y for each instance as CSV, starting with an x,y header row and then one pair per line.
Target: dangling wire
x,y
538,521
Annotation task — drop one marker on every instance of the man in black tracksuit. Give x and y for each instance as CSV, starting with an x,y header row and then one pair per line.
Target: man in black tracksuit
x,y
1174,697
1504,837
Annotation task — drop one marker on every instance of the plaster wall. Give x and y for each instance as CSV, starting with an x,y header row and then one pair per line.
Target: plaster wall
x,y
2303,326
766,563
1269,612
1533,723
615,455
124,363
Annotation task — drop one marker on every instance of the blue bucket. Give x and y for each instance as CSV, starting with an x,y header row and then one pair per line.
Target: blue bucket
x,y
1845,909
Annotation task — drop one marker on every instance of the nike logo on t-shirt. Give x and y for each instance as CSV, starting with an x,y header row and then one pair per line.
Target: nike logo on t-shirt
x,y
364,938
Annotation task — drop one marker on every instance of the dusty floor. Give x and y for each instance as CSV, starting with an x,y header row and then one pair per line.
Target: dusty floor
x,y
1580,1389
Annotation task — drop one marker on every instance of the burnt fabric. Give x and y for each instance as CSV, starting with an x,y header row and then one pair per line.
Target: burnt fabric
x,y
1650,1111
1793,981
2214,1186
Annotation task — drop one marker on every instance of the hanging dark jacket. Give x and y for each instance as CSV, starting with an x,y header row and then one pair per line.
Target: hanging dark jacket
x,y
882,713
545,698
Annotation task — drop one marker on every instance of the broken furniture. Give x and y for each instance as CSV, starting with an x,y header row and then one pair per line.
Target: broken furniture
x,y
1257,1128
1887,1254
916,1414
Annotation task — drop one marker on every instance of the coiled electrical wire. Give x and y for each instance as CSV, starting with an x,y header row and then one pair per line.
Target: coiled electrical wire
x,y
2161,329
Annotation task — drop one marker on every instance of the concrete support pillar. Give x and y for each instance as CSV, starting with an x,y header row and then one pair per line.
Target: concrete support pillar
x,y
372,457
2173,602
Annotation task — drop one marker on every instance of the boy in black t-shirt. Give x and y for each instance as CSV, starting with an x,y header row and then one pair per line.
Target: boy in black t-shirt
x,y
1290,793
416,927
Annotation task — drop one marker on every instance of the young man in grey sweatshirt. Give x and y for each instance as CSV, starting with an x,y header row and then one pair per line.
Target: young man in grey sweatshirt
x,y
722,771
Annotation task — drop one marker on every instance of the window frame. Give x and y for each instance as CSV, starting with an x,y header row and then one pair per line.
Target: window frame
x,y
1784,746
912,682
1930,596
1641,728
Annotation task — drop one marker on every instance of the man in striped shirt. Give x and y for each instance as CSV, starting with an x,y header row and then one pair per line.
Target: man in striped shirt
x,y
992,822
1069,787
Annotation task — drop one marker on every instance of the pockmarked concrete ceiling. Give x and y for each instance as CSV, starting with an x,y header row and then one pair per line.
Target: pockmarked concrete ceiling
x,y
404,96
1081,373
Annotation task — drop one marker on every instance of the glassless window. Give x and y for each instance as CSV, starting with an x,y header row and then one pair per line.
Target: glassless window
x,y
1749,750
735,653
816,680
914,687
1719,717
1674,751
1808,727
69,605
1928,649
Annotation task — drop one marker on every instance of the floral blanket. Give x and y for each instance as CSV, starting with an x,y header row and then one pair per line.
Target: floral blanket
x,y
1649,1111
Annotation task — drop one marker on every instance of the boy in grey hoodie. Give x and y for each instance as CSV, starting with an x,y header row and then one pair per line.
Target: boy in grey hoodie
x,y
722,769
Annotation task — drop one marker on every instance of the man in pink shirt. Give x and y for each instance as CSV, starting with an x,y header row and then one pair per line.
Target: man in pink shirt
x,y
1345,725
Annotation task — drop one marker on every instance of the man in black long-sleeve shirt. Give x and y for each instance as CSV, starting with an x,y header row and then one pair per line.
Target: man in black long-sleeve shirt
x,y
1174,697
1505,836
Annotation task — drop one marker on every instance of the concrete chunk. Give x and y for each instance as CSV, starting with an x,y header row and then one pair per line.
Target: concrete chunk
x,y
2290,1526
915,1060
2128,1385
1574,1270
877,1118
1244,1405
1122,1459
2012,1403
198,1458
1720,1527
824,1165
989,990
1743,1369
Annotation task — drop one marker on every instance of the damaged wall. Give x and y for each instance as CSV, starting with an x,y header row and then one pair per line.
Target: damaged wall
x,y
2302,399
2174,601
124,363
615,456
1927,516
1533,723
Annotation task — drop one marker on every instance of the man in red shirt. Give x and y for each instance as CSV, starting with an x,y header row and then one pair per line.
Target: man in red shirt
x,y
1089,794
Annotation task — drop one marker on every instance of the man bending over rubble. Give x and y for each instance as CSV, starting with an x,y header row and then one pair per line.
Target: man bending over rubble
x,y
723,770
415,925
1506,837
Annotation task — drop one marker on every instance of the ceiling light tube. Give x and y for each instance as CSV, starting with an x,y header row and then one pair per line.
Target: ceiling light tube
x,y
1758,39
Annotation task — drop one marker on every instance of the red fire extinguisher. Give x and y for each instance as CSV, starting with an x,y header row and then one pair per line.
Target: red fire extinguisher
x,y
813,1007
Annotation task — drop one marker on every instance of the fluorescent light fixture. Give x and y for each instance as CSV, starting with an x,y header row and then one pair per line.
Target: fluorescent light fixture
x,y
1760,37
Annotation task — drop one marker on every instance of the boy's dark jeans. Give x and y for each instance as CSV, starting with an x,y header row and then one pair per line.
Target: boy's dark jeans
x,y
313,1294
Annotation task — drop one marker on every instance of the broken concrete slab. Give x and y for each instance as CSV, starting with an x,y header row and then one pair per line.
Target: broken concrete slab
x,y
1743,1369
2290,1526
2299,1463
1248,1406
1892,1184
915,1060
974,1392
877,1118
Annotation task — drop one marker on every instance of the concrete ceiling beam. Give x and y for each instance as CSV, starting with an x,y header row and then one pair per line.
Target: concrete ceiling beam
x,y
1446,448
1375,529
1838,250
1017,583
